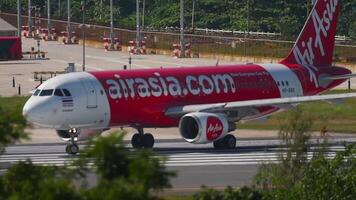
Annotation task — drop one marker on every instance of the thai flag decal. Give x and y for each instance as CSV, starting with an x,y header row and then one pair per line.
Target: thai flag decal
x,y
67,102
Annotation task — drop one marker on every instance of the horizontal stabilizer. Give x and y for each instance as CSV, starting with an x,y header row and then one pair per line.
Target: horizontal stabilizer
x,y
339,77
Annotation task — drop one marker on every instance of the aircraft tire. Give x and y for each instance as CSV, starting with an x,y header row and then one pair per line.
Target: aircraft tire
x,y
229,142
67,149
218,144
72,149
136,140
148,140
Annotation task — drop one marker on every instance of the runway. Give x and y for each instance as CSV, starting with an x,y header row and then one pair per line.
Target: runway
x,y
195,165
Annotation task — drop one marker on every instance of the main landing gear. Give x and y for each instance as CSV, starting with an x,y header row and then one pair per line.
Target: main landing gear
x,y
72,147
227,142
142,140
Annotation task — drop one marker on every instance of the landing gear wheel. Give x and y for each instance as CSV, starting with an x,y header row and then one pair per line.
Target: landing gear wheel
x,y
136,140
148,140
142,139
72,148
227,142
218,144
230,142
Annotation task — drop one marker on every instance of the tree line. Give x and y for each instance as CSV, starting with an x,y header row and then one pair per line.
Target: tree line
x,y
284,16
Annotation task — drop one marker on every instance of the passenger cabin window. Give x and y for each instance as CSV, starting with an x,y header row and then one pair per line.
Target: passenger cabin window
x,y
58,92
66,92
46,93
36,92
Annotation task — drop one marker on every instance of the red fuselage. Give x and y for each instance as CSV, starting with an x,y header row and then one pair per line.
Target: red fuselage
x,y
139,98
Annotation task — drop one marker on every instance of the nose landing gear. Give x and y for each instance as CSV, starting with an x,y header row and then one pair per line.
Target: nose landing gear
x,y
72,147
142,140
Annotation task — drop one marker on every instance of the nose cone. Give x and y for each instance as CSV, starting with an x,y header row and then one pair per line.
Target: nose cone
x,y
38,111
31,111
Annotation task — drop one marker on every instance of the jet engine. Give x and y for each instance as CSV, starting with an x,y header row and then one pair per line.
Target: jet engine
x,y
202,128
83,134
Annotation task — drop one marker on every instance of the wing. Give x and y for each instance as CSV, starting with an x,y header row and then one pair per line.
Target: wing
x,y
178,111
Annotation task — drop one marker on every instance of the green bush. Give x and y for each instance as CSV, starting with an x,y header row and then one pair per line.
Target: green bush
x,y
122,174
12,123
26,181
244,193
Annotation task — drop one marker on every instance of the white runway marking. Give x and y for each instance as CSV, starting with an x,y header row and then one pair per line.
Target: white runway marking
x,y
174,159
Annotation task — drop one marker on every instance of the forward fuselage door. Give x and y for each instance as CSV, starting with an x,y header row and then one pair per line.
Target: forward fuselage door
x,y
92,98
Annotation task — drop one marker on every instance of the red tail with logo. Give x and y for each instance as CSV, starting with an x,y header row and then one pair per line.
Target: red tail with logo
x,y
315,44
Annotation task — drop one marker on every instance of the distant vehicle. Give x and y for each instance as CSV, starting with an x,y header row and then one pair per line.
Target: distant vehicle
x,y
204,102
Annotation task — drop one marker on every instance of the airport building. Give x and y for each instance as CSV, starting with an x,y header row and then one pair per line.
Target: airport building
x,y
7,29
10,43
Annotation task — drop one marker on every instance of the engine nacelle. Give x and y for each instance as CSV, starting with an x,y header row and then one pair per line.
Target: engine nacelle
x,y
202,128
84,134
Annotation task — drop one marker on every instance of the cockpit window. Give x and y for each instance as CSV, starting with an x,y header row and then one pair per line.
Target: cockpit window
x,y
36,92
66,92
58,92
46,93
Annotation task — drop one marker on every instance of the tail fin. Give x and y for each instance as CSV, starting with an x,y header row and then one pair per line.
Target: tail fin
x,y
315,44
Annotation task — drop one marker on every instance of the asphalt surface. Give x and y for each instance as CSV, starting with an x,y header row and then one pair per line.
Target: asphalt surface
x,y
195,165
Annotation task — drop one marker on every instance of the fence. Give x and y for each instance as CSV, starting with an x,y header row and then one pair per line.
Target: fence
x,y
211,44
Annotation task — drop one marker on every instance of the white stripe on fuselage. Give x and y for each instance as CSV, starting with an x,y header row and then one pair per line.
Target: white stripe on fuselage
x,y
288,83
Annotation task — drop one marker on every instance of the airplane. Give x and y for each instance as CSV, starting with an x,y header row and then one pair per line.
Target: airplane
x,y
204,102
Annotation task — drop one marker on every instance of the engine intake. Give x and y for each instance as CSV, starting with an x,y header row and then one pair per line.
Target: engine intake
x,y
204,128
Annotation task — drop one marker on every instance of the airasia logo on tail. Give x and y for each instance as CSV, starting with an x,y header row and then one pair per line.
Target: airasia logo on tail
x,y
214,128
314,47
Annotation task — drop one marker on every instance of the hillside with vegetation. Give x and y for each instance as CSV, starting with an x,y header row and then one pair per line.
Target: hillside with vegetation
x,y
284,16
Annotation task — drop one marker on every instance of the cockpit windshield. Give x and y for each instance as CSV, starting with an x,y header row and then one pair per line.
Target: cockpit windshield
x,y
58,92
46,92
36,92
49,92
66,93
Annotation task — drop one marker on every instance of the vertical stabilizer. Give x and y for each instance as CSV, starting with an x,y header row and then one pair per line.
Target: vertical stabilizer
x,y
315,44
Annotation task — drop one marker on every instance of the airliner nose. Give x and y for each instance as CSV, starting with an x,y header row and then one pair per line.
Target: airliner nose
x,y
35,111
30,112
25,112
41,111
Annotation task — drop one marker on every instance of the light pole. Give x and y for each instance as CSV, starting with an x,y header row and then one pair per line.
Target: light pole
x,y
181,28
248,17
193,10
29,17
68,25
19,18
111,26
101,8
59,8
143,13
83,32
137,24
49,18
